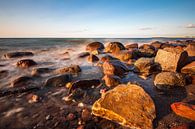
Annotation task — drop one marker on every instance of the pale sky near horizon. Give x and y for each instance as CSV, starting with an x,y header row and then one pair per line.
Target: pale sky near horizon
x,y
100,18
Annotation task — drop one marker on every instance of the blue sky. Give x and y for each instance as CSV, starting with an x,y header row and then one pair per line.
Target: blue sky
x,y
97,18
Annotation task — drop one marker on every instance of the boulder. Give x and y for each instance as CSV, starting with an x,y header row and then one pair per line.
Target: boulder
x,y
123,55
167,80
113,47
38,71
171,59
146,66
111,80
146,53
147,46
115,67
92,58
84,84
191,50
189,68
69,69
184,110
58,81
83,54
94,46
131,46
3,74
25,63
107,58
128,105
156,44
23,81
18,54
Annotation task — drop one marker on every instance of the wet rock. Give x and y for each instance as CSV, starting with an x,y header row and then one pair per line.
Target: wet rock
x,y
108,58
69,69
184,110
84,84
156,44
57,81
111,81
23,81
18,54
171,59
115,67
25,63
191,50
92,58
123,55
83,54
3,74
38,71
167,80
94,46
146,53
128,105
131,46
113,47
146,66
147,46
189,68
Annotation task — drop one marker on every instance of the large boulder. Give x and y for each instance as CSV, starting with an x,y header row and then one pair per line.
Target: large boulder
x,y
145,66
23,81
94,46
17,54
113,47
156,44
171,59
123,55
115,67
107,58
25,63
167,80
69,69
111,80
191,49
92,58
38,71
189,68
58,81
83,54
128,105
131,46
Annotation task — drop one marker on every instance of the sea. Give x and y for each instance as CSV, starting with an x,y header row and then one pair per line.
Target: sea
x,y
56,53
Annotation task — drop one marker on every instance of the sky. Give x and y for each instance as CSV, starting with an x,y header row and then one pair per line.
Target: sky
x,y
97,18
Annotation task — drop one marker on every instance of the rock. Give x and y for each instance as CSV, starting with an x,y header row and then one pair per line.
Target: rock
x,y
83,54
146,66
32,98
86,115
70,117
38,71
113,47
92,58
184,110
69,69
108,58
131,46
189,68
147,46
57,81
167,80
191,50
183,126
23,81
146,52
18,54
111,80
3,74
84,84
128,105
171,59
123,55
156,44
193,79
94,46
25,63
115,67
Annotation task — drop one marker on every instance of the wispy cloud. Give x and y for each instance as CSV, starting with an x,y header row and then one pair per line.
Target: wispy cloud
x,y
190,26
146,28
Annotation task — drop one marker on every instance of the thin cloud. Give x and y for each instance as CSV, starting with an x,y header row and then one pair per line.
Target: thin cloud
x,y
146,28
190,26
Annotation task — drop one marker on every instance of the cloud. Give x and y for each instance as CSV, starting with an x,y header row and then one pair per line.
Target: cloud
x,y
146,28
190,26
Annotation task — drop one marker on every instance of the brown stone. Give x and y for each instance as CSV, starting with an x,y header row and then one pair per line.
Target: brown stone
x,y
113,47
25,63
94,46
38,71
92,58
131,46
171,59
184,110
189,68
108,58
111,80
23,81
128,105
166,80
18,54
147,46
69,69
183,126
83,54
123,55
191,49
156,44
